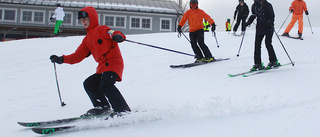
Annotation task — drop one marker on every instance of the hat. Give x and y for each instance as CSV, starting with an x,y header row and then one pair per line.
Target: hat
x,y
193,1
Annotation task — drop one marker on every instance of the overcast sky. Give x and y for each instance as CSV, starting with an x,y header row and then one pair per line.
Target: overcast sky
x,y
220,10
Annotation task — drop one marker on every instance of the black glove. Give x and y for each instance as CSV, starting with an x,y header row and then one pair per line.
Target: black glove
x,y
234,17
213,28
307,12
117,38
179,29
250,20
291,10
56,59
51,18
247,24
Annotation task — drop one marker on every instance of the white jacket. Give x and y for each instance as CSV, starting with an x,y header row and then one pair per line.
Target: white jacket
x,y
58,13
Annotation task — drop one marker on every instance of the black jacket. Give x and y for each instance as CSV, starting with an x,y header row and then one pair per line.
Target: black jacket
x,y
265,17
242,11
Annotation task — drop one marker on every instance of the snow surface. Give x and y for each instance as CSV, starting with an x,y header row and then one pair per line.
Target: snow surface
x,y
194,102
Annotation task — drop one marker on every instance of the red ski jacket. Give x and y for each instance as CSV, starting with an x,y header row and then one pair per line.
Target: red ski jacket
x,y
99,43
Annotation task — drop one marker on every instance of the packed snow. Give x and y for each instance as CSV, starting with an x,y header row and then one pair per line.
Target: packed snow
x,y
193,102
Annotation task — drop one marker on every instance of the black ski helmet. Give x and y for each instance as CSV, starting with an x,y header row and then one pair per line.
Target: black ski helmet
x,y
58,5
193,1
241,1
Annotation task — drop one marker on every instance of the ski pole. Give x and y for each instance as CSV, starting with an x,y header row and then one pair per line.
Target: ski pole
x,y
283,46
179,35
214,33
244,33
310,24
159,47
55,70
284,22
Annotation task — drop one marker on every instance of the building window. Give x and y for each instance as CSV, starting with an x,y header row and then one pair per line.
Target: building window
x,y
165,24
146,23
38,17
9,15
0,14
114,21
141,23
120,21
109,20
32,16
135,22
67,20
27,16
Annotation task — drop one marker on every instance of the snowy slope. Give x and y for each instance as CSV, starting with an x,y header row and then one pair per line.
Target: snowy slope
x,y
195,102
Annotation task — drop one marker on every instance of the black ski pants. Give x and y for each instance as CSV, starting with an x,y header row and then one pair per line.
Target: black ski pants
x,y
198,37
242,21
101,90
257,49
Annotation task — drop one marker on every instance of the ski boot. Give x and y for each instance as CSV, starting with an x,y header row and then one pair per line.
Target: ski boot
x,y
300,34
257,67
98,111
285,34
206,60
275,64
199,60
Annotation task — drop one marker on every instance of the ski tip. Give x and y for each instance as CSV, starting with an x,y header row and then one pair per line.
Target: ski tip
x,y
43,131
28,124
230,75
245,76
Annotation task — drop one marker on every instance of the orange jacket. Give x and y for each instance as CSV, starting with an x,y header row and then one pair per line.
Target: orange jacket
x,y
195,18
298,7
99,43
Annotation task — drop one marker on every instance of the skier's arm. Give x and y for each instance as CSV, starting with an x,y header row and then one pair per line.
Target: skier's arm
x,y
81,53
184,19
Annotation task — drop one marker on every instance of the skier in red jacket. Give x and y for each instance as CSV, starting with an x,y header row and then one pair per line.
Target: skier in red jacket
x,y
101,42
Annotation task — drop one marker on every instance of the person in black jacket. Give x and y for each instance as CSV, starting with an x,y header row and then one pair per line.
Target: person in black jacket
x,y
262,10
242,11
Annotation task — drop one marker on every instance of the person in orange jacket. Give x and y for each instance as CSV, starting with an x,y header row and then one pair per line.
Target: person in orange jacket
x,y
195,16
297,7
101,43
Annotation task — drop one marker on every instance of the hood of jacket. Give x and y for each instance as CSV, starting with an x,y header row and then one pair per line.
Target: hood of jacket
x,y
93,16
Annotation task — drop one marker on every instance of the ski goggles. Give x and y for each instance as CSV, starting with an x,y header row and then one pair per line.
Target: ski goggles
x,y
257,1
193,5
82,14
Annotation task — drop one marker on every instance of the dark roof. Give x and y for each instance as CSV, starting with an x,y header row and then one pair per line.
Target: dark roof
x,y
158,6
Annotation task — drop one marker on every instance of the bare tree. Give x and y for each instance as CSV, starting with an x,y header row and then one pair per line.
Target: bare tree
x,y
184,6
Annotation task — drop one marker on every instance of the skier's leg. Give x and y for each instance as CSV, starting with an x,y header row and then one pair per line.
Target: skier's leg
x,y
291,24
235,28
194,45
257,49
56,27
271,53
300,22
107,87
203,46
243,26
91,85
